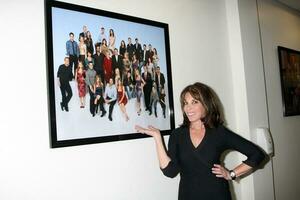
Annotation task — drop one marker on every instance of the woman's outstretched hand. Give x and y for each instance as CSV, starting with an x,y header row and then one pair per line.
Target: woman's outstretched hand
x,y
151,131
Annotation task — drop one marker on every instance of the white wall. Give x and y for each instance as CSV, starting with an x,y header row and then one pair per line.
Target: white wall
x,y
248,88
126,170
280,26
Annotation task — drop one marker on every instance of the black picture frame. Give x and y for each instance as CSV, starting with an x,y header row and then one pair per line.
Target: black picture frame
x,y
78,126
289,64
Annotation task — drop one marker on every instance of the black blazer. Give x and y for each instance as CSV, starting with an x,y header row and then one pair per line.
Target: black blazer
x,y
138,51
98,59
117,64
162,80
148,80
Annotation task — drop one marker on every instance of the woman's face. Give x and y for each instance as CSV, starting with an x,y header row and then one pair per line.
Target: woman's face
x,y
193,108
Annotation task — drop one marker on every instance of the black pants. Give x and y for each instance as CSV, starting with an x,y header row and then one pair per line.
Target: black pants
x,y
73,62
147,94
111,106
66,93
92,100
100,103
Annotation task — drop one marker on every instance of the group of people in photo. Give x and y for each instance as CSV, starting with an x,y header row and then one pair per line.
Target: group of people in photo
x,y
112,75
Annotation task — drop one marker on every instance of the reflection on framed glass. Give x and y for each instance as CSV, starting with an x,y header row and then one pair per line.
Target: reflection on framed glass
x,y
106,73
289,63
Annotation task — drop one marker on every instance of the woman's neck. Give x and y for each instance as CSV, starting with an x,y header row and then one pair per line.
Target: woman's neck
x,y
197,125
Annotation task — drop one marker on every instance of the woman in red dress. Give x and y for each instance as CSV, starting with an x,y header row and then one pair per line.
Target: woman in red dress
x,y
122,98
80,79
107,65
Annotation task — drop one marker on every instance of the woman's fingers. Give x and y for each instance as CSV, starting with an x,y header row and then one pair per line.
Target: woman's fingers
x,y
143,130
152,128
220,171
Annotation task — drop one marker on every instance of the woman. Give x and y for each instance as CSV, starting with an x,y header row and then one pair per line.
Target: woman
x,y
155,58
122,48
80,79
154,98
139,83
128,84
112,39
135,63
88,59
150,67
117,75
104,43
126,63
82,49
89,42
195,148
107,65
122,99
99,91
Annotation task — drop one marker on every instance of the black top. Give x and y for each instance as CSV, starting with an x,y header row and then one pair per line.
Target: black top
x,y
64,74
194,163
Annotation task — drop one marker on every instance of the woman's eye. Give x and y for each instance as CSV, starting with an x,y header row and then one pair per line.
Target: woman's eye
x,y
195,102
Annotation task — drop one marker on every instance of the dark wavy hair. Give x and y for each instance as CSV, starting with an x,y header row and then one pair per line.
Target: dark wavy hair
x,y
208,99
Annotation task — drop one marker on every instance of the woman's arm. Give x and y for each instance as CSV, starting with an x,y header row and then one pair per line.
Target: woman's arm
x,y
233,141
222,172
76,75
162,155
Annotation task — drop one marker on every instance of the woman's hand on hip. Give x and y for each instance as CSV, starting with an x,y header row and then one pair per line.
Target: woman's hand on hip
x,y
220,172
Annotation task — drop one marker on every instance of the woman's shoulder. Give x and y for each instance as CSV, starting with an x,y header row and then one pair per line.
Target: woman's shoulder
x,y
177,132
222,131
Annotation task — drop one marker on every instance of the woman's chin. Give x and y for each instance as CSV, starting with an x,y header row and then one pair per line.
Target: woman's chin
x,y
193,119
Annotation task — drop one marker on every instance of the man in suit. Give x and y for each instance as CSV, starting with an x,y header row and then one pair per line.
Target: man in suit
x,y
147,88
98,60
64,76
149,53
137,49
84,32
90,80
102,35
110,96
130,49
72,51
160,83
117,61
143,56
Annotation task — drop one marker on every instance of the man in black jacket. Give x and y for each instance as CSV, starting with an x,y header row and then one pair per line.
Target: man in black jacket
x,y
98,59
160,83
117,61
64,76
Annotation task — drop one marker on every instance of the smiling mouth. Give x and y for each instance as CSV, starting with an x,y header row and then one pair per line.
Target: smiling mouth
x,y
190,114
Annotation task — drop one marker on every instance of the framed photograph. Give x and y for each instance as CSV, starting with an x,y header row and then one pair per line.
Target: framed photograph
x,y
107,72
289,63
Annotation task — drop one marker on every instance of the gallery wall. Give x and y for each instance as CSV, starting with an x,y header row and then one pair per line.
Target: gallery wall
x,y
125,170
280,26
